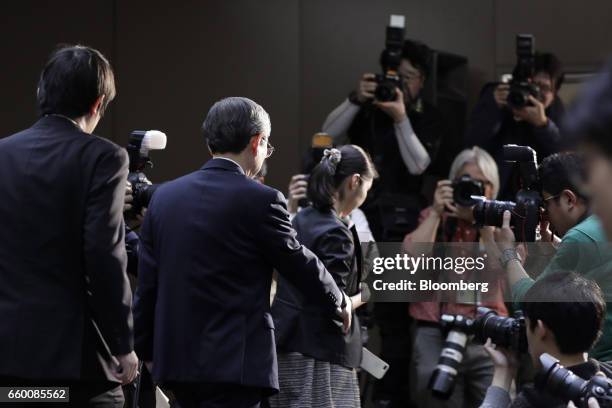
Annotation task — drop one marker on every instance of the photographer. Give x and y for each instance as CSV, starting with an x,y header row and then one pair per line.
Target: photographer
x,y
563,313
402,136
493,123
582,249
446,221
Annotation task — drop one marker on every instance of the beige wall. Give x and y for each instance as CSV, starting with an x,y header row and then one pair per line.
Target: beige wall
x,y
298,58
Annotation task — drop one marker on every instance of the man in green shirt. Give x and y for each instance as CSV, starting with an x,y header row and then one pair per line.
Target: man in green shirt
x,y
583,249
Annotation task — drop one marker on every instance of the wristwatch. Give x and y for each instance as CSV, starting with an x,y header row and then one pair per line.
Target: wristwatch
x,y
508,255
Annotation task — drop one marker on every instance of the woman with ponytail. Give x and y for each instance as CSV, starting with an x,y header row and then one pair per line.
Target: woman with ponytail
x,y
316,361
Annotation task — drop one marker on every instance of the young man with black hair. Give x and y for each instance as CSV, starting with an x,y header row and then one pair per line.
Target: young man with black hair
x,y
493,123
563,313
65,299
583,247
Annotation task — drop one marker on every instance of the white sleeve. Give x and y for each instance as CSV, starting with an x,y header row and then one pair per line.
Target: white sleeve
x,y
412,150
339,120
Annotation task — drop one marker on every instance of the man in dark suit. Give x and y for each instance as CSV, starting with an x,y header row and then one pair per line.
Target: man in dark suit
x,y
65,303
209,243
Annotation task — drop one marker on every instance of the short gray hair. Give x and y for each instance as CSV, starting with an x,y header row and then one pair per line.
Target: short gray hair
x,y
480,158
231,122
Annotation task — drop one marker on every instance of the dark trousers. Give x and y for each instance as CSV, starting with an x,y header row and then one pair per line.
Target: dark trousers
x,y
81,394
216,396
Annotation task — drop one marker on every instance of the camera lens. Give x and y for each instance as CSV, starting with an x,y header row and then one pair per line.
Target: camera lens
x,y
559,380
442,381
464,188
491,212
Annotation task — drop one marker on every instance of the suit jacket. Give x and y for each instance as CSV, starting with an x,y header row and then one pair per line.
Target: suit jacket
x,y
209,243
62,255
300,323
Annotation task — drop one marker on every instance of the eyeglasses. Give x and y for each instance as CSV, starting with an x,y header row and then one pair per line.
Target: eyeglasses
x,y
270,149
544,88
547,200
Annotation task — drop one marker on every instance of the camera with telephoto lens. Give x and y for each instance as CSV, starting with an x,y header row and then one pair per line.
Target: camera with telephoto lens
x,y
525,210
139,145
442,381
391,57
560,381
521,86
467,191
507,332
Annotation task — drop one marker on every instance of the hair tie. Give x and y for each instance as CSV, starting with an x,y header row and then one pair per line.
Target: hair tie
x,y
334,156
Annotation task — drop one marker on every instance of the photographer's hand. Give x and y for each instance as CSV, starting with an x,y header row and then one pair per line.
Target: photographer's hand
x,y
547,235
535,115
500,94
505,364
297,191
443,196
395,109
504,236
366,87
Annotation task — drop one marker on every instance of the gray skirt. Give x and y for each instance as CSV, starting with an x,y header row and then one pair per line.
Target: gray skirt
x,y
306,382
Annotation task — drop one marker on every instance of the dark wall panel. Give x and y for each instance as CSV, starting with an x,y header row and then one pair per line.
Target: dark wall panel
x,y
175,62
29,31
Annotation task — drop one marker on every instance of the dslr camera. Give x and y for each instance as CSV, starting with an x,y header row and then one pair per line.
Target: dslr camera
x,y
558,380
391,58
467,191
520,84
525,210
507,332
139,145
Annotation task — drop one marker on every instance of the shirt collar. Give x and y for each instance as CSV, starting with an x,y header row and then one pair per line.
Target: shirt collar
x,y
230,160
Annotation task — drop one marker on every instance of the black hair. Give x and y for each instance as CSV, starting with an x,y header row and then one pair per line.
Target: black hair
x,y
327,176
563,171
232,122
416,52
572,307
71,81
548,63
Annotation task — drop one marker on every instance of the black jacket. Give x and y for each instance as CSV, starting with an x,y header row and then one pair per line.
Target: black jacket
x,y
301,325
532,397
208,245
62,254
491,127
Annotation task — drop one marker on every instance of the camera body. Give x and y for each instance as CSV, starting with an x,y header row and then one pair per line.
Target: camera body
x,y
139,145
467,191
525,210
390,59
507,332
521,86
560,381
